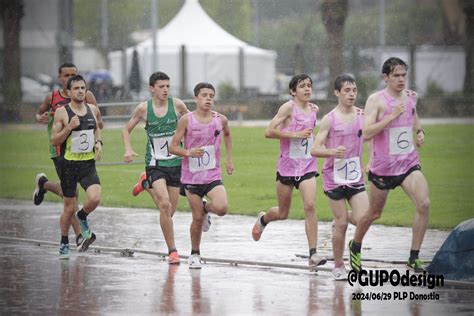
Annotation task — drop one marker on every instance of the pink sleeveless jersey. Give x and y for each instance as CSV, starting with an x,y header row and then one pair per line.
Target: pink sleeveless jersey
x,y
207,168
347,171
393,148
295,158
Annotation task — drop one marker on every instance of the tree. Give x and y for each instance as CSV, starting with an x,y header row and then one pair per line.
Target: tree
x,y
11,12
334,14
468,8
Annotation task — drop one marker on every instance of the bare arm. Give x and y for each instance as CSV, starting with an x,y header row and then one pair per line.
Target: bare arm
x,y
419,132
42,114
319,149
283,114
180,107
175,148
138,114
61,127
90,98
228,145
372,109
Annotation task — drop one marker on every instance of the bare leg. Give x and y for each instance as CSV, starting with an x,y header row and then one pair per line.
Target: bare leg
x,y
218,204
308,194
162,200
340,213
197,209
281,211
54,187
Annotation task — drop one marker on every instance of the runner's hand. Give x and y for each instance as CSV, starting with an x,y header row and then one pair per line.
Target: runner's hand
x,y
128,156
42,118
229,166
304,133
74,122
398,110
420,139
98,151
196,152
339,152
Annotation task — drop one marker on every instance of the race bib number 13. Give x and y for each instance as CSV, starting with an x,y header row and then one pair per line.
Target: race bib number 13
x,y
401,140
347,170
206,162
82,141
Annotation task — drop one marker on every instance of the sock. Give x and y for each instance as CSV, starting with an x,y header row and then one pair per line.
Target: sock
x,y
312,251
414,255
172,250
82,215
65,240
195,252
262,221
356,246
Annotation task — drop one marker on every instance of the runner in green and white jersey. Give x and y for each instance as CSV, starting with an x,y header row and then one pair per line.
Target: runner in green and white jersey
x,y
163,170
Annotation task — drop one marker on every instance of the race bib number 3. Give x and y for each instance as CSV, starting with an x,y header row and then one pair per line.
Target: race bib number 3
x,y
206,162
347,170
300,148
82,141
161,148
401,140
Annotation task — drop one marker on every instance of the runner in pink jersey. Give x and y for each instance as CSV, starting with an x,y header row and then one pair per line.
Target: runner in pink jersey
x,y
393,124
340,141
293,125
202,131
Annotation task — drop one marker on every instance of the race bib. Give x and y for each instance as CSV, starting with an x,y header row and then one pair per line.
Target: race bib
x,y
401,140
300,148
206,162
82,141
161,148
347,171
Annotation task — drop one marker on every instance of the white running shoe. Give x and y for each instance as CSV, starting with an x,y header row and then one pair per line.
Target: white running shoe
x,y
194,261
317,260
339,273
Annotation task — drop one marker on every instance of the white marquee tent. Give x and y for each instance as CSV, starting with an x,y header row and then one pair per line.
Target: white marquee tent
x,y
212,55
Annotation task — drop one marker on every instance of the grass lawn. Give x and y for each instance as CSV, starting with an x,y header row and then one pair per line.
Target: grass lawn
x,y
447,160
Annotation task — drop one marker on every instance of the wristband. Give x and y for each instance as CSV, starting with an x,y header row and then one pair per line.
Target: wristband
x,y
419,131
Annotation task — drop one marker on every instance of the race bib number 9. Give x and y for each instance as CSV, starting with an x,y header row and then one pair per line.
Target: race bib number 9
x,y
347,170
206,162
401,140
161,148
300,148
82,141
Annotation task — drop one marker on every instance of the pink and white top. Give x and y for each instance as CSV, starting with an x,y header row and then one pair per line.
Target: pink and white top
x,y
347,171
393,150
295,158
205,169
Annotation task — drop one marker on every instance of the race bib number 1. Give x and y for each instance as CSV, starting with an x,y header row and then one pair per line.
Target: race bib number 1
x,y
206,162
161,148
347,170
300,147
82,141
401,140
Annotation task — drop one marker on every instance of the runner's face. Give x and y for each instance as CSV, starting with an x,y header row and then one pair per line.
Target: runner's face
x,y
303,90
347,95
160,89
78,91
397,79
205,99
66,73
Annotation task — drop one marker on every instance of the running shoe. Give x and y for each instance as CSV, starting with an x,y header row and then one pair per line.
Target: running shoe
x,y
354,258
139,186
86,243
317,260
258,228
84,225
173,258
79,241
339,273
206,223
64,251
38,194
194,261
416,265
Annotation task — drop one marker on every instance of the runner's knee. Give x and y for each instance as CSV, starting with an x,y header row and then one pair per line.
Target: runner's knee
x,y
424,207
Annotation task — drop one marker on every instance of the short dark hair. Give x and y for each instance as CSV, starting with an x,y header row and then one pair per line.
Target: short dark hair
x,y
297,79
73,79
390,64
66,65
203,85
340,80
157,76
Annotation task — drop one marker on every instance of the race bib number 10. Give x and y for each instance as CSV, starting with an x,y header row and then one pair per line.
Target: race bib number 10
x,y
347,170
206,162
300,148
82,141
401,140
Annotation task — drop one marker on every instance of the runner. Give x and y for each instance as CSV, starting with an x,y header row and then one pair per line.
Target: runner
x,y
163,170
202,131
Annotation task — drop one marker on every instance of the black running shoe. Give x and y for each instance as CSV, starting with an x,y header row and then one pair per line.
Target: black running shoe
x,y
38,194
